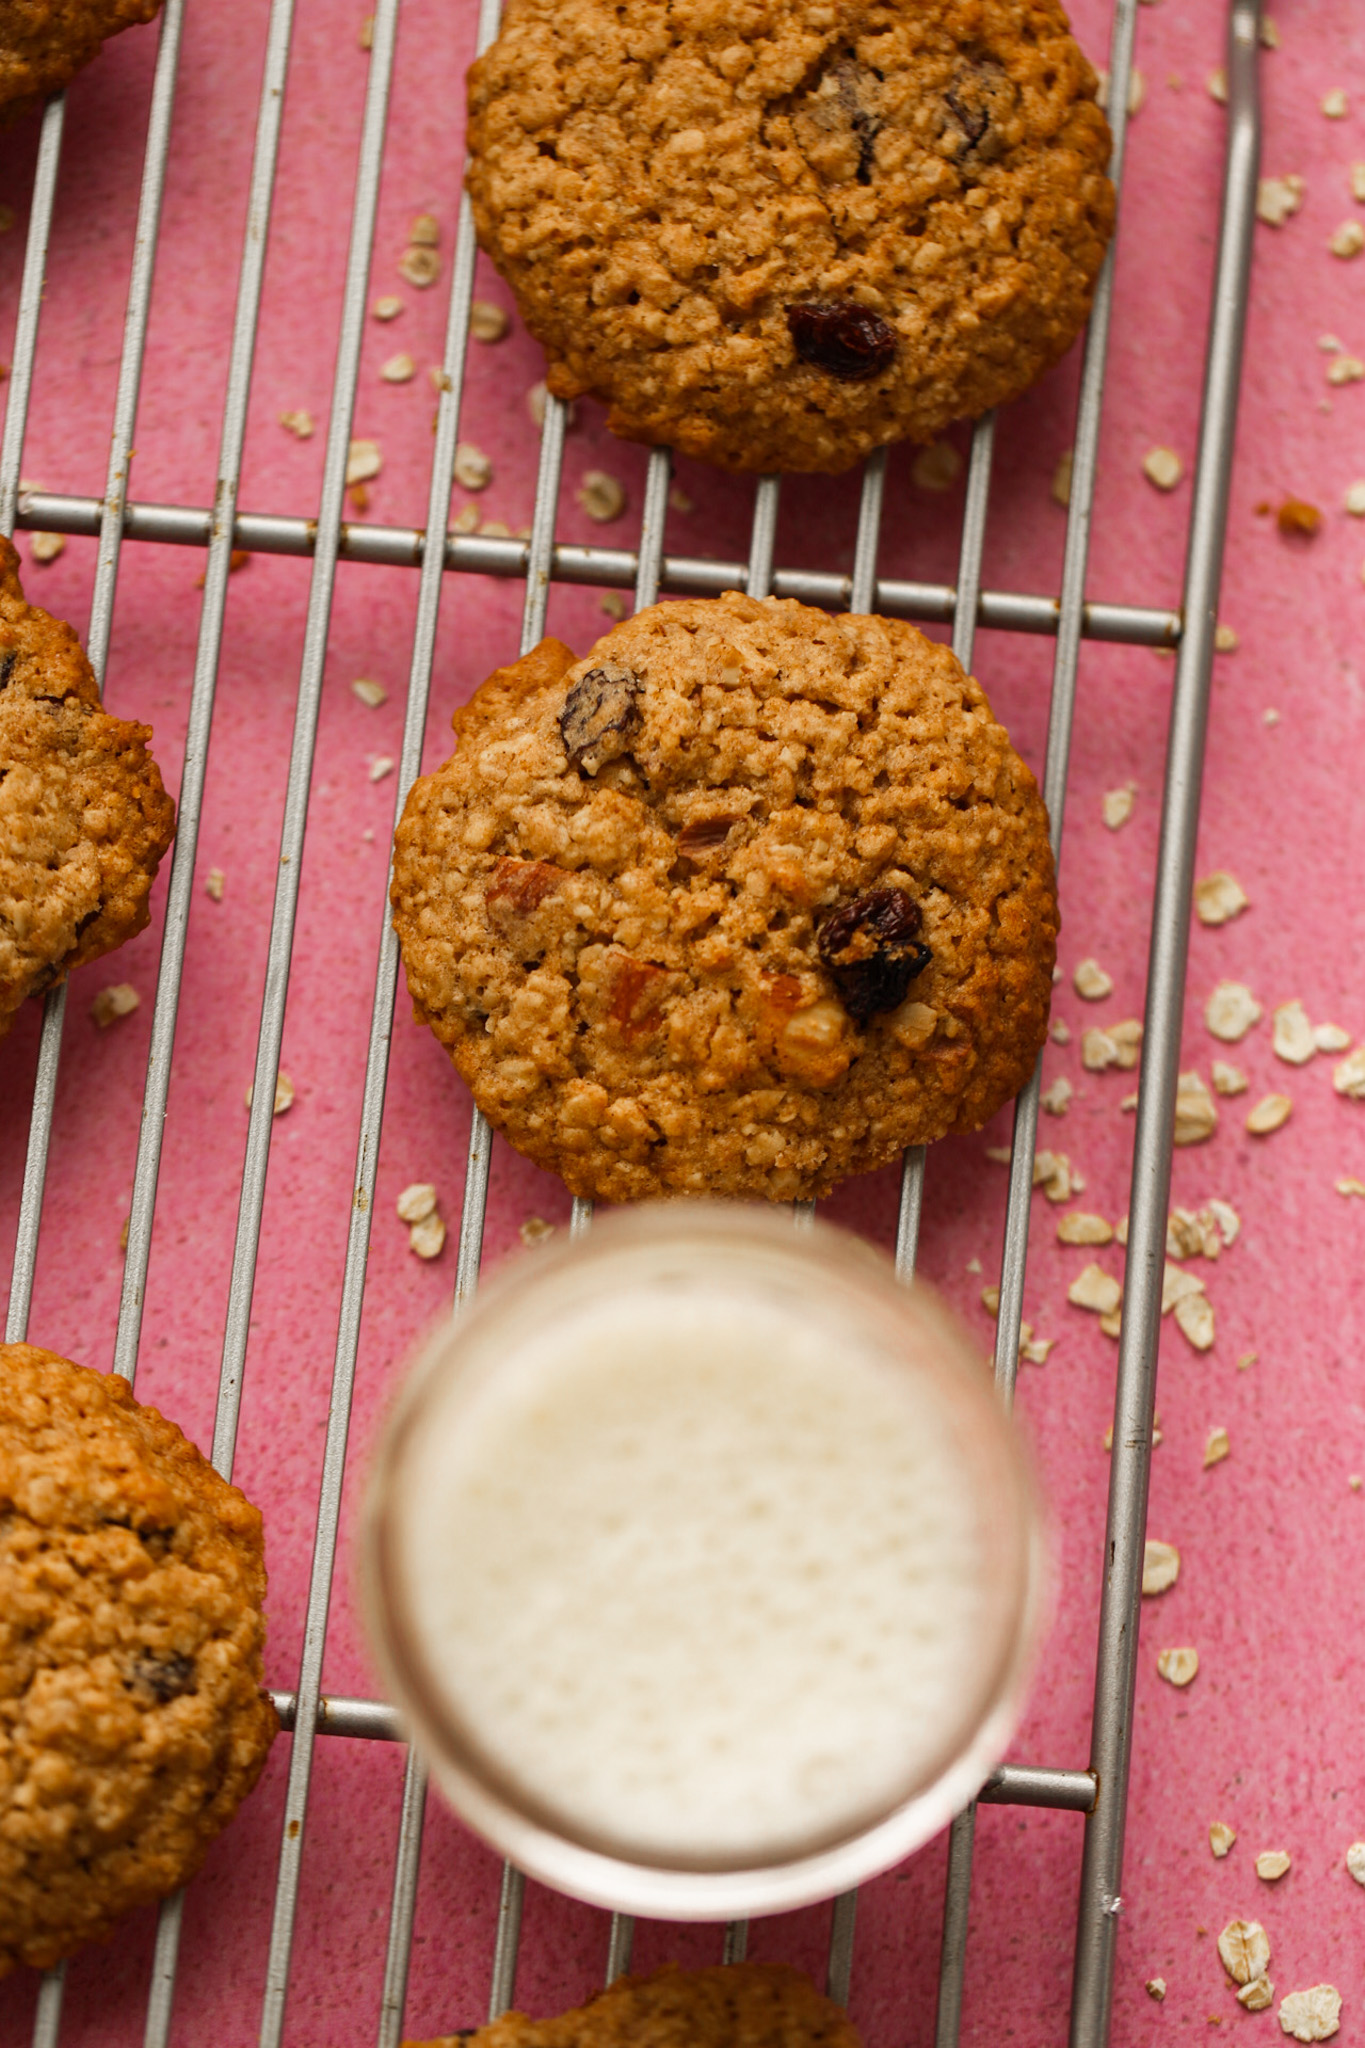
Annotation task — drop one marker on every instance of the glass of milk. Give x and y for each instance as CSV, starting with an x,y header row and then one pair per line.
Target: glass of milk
x,y
703,1562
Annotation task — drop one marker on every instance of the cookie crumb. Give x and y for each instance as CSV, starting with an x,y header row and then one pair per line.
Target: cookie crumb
x,y
118,1000
387,307
1292,1037
1221,1838
1272,1864
472,468
428,1237
1268,1115
937,467
363,461
416,1202
369,692
1160,1566
1219,897
1218,1445
1231,1011
535,1230
298,423
421,267
284,1093
1060,487
1096,1290
1156,1988
1311,2015
399,369
1163,467
488,322
1348,240
1091,981
1227,1079
1116,806
602,496
1196,1117
380,766
1178,1666
1335,104
45,547
214,882
1278,199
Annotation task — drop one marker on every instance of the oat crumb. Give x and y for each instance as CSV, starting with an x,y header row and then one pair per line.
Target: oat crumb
x,y
425,232
1272,1864
298,423
1059,1032
1335,104
1219,897
120,999
535,1230
1061,478
1246,1360
1278,199
399,369
1194,1314
990,1300
428,1237
1221,1838
466,520
1231,1011
416,1202
1293,1039
679,500
613,604
214,882
1217,84
1178,1666
1225,640
1056,1098
1355,1861
602,496
363,461
937,467
45,547
284,1093
365,33
1270,33
1227,1079
421,267
1079,1227
1348,1075
1117,806
380,766
1268,1115
1091,981
1351,1186
1257,1995
1348,240
387,307
473,469
1244,1950
369,692
1330,1038
1156,1988
1160,1566
1217,1447
1196,1117
1162,467
1095,1289
1345,370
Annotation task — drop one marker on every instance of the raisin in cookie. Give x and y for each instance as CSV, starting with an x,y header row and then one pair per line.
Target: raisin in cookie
x,y
43,43
84,819
132,1723
780,234
743,902
738,2005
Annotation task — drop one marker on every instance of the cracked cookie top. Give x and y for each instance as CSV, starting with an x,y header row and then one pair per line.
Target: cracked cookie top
x,y
745,901
776,234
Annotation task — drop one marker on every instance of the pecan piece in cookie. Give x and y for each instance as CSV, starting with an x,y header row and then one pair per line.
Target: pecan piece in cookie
x,y
873,952
600,713
839,336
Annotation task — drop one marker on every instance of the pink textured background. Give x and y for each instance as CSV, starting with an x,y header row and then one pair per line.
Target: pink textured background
x,y
1267,1737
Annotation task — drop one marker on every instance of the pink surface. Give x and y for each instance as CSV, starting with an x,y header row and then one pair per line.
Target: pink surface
x,y
1266,1737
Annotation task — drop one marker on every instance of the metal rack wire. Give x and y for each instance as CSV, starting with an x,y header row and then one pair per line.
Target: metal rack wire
x,y
1098,1791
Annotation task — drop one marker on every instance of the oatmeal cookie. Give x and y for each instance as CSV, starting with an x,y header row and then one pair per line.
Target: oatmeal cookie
x,y
778,234
43,43
741,903
132,1723
737,2005
84,819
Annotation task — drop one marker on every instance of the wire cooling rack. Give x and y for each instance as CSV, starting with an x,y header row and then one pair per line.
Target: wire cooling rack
x,y
1097,1791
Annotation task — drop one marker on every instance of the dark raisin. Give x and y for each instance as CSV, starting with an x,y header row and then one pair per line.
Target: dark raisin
x,y
600,712
873,951
979,100
7,661
703,835
165,1678
841,337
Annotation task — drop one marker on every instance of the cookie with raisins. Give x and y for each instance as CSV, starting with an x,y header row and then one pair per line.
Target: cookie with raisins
x,y
44,43
741,903
84,819
781,235
132,1720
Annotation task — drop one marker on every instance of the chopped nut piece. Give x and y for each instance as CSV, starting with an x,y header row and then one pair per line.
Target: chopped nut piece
x,y
473,469
1257,1995
213,883
119,1000
1293,1035
1311,2015
45,547
937,467
363,462
1055,1098
1095,1289
1351,1186
1221,1837
1355,1861
1219,897
1194,1314
1196,1117
387,308
1277,199
1061,478
1160,1566
421,267
1330,1038
1268,1114
1091,981
298,423
1335,104
399,369
1225,639
488,322
1272,1864
1076,1227
1348,1075
1117,807
428,1237
1217,85
369,692
1231,1011
1345,370
602,496
1156,1988
1162,467
535,1230
284,1093
425,232
1348,240
1178,1666
1244,1949
1227,1079
380,766
1217,1448
416,1202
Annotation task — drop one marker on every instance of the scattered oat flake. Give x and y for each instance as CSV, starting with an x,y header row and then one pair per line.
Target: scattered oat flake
x,y
1098,1050
387,307
363,462
1177,1285
380,766
1162,467
1052,1172
416,1202
1350,1186
1345,370
1194,1314
1219,897
937,467
602,496
420,266
1277,199
1329,344
1226,1217
1193,1234
1358,181
1095,1289
284,1092
399,369
1178,1666
425,232
1218,1447
1293,1035
535,1230
1335,104
298,423
1221,1838
1116,807
1091,981
1348,240
466,520
428,1237
488,322
1296,515
495,529
1231,1011
473,469
990,1300
1056,1098
1078,1227
1225,639
1355,1861
119,1000
1272,1864
1196,1116
1227,1079
1034,1350
1244,1949
1217,85
1348,1075
213,883
45,547
1311,2015
1160,1566
1156,1988
1330,1038
1268,1115
1061,478
369,692
1257,1995
614,605
1059,1032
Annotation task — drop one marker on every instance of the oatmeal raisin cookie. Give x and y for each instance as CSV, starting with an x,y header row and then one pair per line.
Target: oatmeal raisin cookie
x,y
43,43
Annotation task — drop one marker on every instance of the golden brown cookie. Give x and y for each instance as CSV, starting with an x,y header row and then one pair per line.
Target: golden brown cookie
x,y
132,1723
738,2005
84,819
43,43
743,902
779,234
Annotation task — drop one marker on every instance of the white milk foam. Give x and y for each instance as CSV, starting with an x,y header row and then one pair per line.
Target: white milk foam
x,y
700,1578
